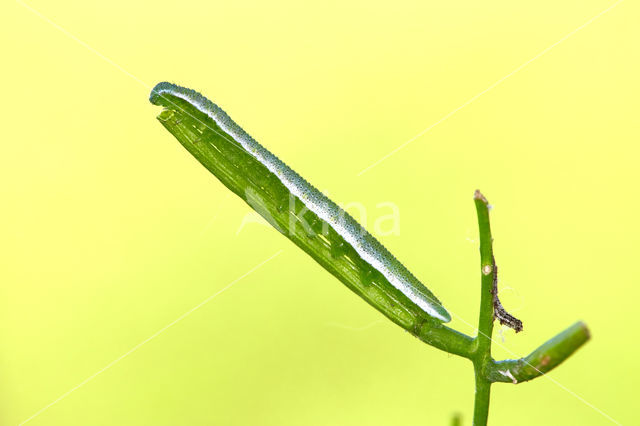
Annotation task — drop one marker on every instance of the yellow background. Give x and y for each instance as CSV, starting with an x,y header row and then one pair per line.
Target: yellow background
x,y
110,230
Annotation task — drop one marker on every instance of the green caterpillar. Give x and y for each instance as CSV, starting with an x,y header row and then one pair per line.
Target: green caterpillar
x,y
295,208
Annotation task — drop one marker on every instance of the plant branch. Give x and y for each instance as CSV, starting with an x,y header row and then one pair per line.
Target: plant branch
x,y
542,360
483,395
482,356
444,338
488,271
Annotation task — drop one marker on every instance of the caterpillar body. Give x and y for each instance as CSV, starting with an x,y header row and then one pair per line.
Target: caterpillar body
x,y
499,312
295,208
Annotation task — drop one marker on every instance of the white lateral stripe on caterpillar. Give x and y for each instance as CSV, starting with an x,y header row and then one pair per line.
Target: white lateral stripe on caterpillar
x,y
364,243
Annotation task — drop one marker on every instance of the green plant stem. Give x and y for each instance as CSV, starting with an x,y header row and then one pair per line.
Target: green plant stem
x,y
444,338
482,354
542,360
482,396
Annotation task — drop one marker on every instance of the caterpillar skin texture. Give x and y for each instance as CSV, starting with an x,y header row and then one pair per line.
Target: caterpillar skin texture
x,y
295,208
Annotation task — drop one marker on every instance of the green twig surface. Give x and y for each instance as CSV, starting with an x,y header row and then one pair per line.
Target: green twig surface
x,y
543,359
486,369
481,356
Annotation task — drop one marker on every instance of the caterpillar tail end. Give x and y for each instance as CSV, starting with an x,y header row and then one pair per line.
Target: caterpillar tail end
x,y
441,313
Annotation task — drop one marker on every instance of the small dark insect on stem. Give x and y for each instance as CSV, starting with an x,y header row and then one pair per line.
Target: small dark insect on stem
x,y
499,312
